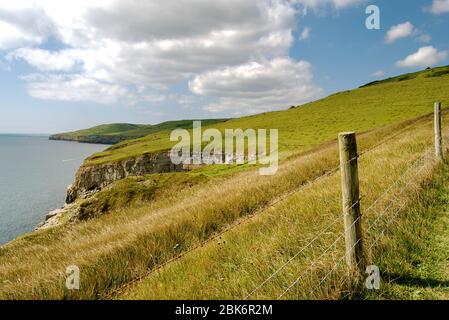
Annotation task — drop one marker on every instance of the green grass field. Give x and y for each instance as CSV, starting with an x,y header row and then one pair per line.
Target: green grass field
x,y
117,132
414,262
303,127
116,249
220,232
239,261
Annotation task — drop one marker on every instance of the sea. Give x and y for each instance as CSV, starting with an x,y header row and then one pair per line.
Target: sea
x,y
34,175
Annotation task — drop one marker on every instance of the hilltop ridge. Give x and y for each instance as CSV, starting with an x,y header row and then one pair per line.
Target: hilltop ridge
x,y
302,127
117,132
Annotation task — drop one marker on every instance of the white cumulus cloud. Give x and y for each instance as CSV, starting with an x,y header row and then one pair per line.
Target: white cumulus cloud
x,y
440,6
113,50
22,24
73,88
155,45
45,60
378,74
335,3
255,87
424,57
305,34
399,31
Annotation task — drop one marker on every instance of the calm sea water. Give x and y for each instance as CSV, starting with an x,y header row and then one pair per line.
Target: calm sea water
x,y
34,174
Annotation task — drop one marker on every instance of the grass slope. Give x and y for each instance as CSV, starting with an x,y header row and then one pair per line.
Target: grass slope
x,y
306,126
155,218
430,73
106,129
117,132
239,261
116,249
414,263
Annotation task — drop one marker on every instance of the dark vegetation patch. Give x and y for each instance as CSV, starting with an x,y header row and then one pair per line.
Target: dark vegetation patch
x,y
438,73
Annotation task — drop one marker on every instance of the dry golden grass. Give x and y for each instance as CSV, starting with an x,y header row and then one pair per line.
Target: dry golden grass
x,y
233,266
413,257
120,247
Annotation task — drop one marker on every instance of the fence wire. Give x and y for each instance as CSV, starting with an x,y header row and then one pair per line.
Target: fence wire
x,y
391,219
273,203
419,165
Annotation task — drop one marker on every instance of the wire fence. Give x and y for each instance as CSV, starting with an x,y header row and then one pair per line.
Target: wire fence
x,y
412,172
382,215
407,178
411,177
217,235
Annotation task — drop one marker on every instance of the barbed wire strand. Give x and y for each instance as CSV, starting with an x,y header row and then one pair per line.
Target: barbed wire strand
x,y
401,207
300,251
392,202
383,231
112,292
241,221
369,249
417,161
325,230
321,256
390,188
391,137
340,260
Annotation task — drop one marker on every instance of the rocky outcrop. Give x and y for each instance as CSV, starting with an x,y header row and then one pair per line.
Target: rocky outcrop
x,y
68,212
91,178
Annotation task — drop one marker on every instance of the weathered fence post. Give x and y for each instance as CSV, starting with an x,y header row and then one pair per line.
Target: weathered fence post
x,y
351,201
438,140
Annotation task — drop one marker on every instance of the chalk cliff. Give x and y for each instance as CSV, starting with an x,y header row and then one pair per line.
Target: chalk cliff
x,y
90,178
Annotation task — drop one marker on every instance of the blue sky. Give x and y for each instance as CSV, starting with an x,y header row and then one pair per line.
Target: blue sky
x,y
73,65
345,54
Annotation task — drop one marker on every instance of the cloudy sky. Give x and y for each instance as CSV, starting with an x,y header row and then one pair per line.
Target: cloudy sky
x,y
72,64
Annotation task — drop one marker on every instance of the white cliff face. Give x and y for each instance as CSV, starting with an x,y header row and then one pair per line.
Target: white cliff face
x,y
92,178
95,177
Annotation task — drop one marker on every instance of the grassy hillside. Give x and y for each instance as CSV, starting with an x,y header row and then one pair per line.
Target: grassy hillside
x,y
301,128
430,73
221,236
117,132
238,263
105,133
136,238
415,263
106,129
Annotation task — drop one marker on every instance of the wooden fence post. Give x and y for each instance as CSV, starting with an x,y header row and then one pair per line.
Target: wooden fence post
x,y
351,201
438,140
